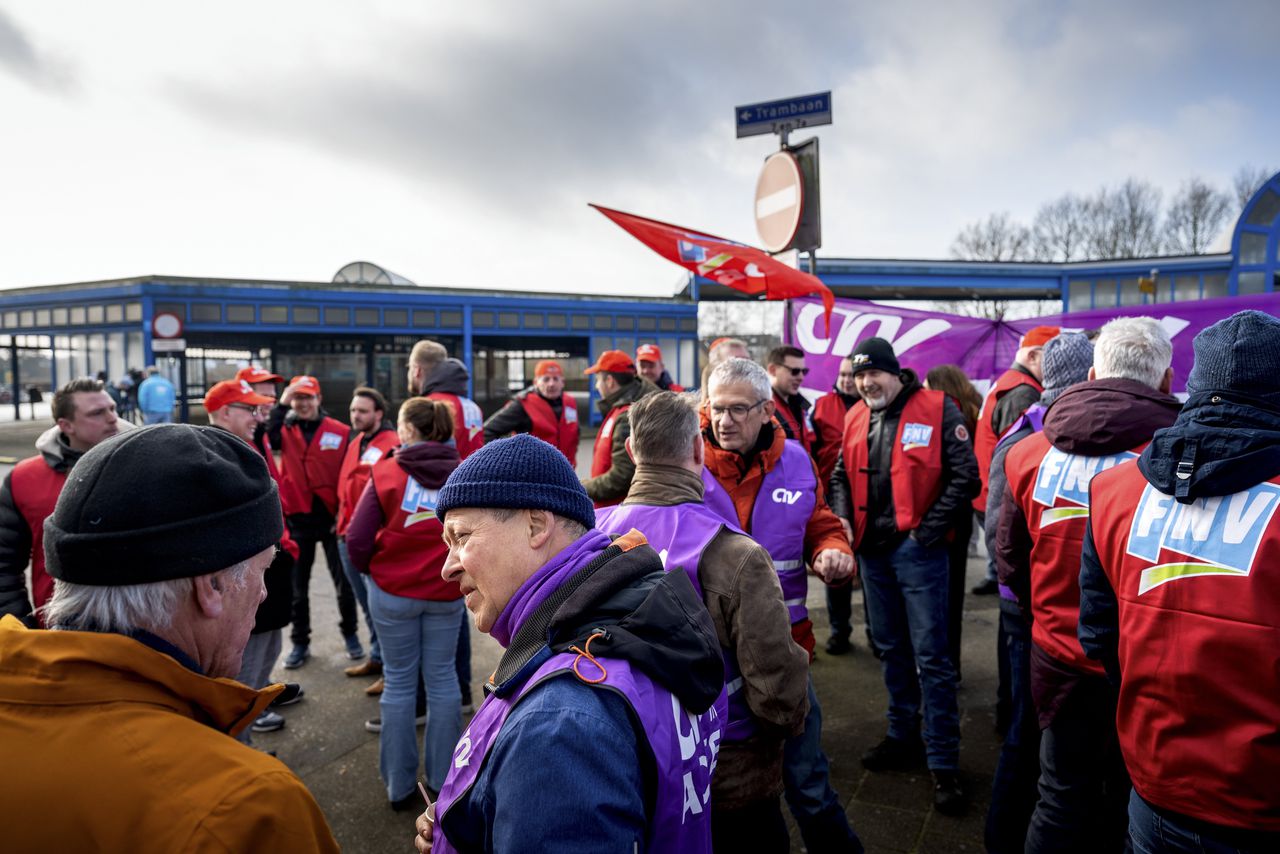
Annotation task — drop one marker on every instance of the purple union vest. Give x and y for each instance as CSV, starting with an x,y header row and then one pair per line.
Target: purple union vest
x,y
783,506
683,745
680,533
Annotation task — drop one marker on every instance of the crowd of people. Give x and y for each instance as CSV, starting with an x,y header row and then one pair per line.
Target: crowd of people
x,y
654,690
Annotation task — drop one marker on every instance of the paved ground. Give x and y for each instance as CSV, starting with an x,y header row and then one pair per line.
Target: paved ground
x,y
326,744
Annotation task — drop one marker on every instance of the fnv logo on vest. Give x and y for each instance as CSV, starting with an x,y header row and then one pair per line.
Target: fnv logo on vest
x,y
782,495
1222,533
916,435
419,502
1067,476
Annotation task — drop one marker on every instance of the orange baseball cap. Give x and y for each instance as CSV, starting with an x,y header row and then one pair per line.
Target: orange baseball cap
x,y
1039,336
305,385
254,374
548,367
233,391
649,353
613,361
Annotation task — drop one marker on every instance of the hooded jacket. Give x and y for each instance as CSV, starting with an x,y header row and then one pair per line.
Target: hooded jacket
x,y
448,382
574,749
1097,419
122,748
21,544
611,486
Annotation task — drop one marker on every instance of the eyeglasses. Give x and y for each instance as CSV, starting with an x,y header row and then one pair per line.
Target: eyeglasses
x,y
798,372
737,411
256,410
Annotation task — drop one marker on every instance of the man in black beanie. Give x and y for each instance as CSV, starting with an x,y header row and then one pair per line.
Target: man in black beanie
x,y
157,545
906,471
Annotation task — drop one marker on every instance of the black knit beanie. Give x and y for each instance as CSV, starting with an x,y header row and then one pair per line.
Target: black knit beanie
x,y
162,502
874,354
1240,353
519,473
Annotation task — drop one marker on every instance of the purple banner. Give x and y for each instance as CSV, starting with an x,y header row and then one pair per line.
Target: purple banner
x,y
982,348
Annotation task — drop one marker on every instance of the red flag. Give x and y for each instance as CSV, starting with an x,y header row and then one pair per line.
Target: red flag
x,y
734,265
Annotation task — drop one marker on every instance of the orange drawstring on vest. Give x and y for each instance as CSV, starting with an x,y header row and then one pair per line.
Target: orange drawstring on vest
x,y
586,653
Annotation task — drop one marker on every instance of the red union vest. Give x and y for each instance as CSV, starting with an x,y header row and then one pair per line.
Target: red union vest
x,y
802,433
354,474
409,549
1051,488
984,435
311,470
916,468
1198,589
468,422
562,431
35,488
602,450
828,422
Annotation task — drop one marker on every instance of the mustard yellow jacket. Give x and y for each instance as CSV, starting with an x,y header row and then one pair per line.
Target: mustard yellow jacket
x,y
111,746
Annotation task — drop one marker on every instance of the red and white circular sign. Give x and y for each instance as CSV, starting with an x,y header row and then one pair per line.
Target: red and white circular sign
x,y
779,200
166,324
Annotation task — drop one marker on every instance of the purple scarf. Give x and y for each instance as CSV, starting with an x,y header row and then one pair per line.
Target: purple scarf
x,y
545,581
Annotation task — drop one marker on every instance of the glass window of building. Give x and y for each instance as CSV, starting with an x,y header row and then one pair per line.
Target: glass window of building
x,y
646,324
42,317
115,355
688,324
97,314
483,319
178,308
133,350
1253,248
557,321
534,320
275,314
1079,295
1252,282
1104,293
10,320
77,315
133,312
1266,210
115,313
97,353
366,317
206,312
390,316
60,318
451,318
1186,288
1130,293
626,322
508,320
601,321
580,321
237,313
337,316
306,315
667,324
26,318
1215,285
424,319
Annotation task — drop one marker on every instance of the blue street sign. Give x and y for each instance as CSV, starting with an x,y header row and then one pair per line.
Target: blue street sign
x,y
785,115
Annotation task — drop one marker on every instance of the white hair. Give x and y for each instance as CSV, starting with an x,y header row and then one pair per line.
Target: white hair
x,y
122,608
742,371
717,352
1133,348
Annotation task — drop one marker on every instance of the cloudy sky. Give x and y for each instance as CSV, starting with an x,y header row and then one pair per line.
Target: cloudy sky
x,y
459,143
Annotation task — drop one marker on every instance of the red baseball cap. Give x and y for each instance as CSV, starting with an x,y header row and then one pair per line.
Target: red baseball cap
x,y
233,391
548,367
305,385
254,374
613,361
1039,336
648,353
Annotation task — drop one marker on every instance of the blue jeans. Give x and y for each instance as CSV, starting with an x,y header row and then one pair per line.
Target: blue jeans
x,y
358,586
1013,792
419,642
906,592
1153,832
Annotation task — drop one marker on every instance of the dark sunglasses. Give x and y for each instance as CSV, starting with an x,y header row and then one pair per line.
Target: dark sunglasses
x,y
798,372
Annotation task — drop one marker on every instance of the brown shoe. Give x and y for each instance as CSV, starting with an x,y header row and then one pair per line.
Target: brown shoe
x,y
369,667
375,689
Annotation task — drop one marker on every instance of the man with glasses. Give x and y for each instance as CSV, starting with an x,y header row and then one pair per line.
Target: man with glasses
x,y
786,375
767,485
828,423
906,471
234,406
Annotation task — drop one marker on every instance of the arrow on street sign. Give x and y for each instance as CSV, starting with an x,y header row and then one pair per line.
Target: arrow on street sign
x,y
785,115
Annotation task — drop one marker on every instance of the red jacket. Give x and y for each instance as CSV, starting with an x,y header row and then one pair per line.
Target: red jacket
x,y
801,431
1199,644
357,464
828,423
985,438
602,450
468,422
35,487
916,469
311,469
560,431
1051,489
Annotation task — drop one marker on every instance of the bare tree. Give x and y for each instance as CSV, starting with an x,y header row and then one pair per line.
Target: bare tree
x,y
1122,223
1247,182
1195,217
1058,231
997,238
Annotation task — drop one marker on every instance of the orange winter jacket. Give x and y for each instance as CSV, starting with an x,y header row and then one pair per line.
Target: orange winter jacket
x,y
112,746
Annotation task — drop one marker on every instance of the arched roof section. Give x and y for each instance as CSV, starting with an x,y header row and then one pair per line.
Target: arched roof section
x,y
368,273
1255,245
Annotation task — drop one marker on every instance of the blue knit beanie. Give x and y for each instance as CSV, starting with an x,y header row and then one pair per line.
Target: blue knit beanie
x,y
1066,361
1240,353
519,473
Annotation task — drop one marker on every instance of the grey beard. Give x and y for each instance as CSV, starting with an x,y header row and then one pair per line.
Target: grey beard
x,y
875,404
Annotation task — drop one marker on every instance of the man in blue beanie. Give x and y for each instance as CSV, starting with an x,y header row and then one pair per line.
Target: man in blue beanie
x,y
1180,602
601,723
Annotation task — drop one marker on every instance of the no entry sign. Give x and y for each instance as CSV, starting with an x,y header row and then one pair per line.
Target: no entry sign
x,y
779,201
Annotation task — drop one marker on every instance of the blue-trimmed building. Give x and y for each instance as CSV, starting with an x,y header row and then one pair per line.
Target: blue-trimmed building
x,y
359,328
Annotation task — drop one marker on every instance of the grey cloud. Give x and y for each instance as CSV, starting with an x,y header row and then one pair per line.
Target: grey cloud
x,y
20,57
555,103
